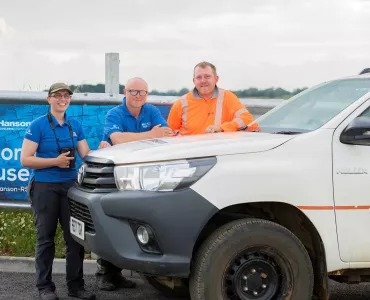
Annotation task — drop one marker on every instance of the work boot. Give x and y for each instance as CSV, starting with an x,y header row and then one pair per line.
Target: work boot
x,y
121,282
48,295
104,284
82,294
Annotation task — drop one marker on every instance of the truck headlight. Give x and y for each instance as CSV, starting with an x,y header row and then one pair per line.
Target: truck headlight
x,y
162,176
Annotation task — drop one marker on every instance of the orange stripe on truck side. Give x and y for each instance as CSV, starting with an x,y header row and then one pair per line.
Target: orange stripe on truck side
x,y
316,207
362,207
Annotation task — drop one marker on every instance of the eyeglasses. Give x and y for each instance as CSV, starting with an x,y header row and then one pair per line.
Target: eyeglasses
x,y
59,96
135,92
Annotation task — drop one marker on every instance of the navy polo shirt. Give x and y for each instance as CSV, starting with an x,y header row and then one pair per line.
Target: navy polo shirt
x,y
41,133
119,119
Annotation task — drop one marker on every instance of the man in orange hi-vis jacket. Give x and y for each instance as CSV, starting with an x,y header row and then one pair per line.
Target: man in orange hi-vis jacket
x,y
208,108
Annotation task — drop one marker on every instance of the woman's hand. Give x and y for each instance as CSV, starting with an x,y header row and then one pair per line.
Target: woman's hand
x,y
62,161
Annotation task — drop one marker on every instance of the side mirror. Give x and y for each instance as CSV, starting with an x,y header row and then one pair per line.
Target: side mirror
x,y
357,132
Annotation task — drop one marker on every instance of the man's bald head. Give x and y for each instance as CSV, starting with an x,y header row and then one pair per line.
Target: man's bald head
x,y
132,84
136,92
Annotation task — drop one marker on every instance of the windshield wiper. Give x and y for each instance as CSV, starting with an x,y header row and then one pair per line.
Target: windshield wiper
x,y
287,132
244,128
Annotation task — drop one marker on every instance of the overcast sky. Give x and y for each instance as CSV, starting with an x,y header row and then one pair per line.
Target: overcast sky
x,y
262,43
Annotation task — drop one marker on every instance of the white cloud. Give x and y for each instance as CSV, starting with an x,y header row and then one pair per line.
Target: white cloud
x,y
259,43
58,57
5,29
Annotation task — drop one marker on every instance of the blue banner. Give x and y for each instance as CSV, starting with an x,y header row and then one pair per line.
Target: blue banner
x,y
14,120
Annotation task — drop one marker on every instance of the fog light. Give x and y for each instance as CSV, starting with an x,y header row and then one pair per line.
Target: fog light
x,y
142,235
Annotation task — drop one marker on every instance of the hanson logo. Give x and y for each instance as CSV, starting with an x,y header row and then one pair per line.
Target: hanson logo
x,y
14,124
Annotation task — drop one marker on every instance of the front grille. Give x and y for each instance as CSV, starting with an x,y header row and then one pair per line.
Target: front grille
x,y
81,212
98,177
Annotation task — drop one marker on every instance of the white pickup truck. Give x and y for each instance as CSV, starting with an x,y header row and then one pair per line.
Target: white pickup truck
x,y
246,215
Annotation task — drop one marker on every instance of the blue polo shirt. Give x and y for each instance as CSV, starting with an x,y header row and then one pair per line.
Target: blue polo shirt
x,y
40,132
119,119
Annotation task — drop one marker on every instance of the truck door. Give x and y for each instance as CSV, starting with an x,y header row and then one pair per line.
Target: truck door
x,y
351,179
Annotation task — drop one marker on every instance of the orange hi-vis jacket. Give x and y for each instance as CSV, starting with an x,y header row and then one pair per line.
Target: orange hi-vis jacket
x,y
192,115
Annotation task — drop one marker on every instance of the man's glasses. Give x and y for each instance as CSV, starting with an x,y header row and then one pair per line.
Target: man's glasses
x,y
135,92
60,96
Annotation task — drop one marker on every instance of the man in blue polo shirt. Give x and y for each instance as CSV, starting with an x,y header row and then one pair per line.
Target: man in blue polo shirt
x,y
133,120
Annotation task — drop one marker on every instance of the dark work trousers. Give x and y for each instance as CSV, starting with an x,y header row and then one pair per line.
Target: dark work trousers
x,y
107,270
50,204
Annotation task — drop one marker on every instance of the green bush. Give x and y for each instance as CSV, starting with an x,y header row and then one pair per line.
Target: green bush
x,y
18,235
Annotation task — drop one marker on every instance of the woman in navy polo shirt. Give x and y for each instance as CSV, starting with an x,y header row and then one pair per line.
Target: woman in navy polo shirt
x,y
55,139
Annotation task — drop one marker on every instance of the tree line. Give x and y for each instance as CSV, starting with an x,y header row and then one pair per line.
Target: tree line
x,y
245,93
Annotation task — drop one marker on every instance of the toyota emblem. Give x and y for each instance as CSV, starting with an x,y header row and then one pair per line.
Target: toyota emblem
x,y
81,173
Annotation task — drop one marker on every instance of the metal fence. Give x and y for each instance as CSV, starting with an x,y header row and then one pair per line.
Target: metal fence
x,y
18,109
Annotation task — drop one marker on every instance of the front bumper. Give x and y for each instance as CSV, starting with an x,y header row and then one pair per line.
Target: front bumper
x,y
176,219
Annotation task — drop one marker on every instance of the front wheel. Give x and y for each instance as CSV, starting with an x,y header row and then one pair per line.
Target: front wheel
x,y
252,259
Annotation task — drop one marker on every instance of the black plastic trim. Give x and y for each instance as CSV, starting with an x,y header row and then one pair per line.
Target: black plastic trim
x,y
177,217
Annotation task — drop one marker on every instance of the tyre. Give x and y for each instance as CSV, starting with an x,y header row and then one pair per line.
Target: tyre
x,y
177,292
252,259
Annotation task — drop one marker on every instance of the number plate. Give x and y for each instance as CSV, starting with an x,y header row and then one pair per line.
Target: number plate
x,y
77,228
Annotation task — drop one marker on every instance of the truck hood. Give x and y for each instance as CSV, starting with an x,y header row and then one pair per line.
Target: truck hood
x,y
195,146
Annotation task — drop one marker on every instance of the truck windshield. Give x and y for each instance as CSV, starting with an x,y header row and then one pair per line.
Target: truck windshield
x,y
314,107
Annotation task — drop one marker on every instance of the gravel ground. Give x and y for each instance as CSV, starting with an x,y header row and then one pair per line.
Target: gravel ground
x,y
19,286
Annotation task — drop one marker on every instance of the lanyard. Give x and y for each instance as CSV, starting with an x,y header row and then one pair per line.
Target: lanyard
x,y
53,128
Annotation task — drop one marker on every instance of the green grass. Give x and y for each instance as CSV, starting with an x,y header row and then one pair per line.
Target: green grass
x,y
18,235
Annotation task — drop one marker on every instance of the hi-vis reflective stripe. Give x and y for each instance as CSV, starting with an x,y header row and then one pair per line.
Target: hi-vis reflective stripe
x,y
185,107
240,122
239,112
339,207
219,105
